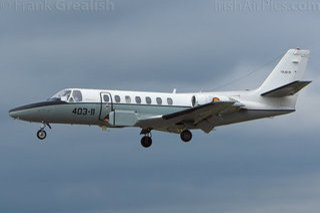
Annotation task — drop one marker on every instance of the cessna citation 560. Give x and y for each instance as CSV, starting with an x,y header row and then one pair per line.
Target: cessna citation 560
x,y
172,112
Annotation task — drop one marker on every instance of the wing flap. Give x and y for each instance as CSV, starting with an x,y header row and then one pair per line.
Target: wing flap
x,y
198,113
199,116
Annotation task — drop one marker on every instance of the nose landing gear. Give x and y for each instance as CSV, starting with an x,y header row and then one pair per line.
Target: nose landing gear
x,y
146,140
42,134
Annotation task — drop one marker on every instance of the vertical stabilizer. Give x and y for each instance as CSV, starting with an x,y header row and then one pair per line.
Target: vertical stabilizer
x,y
289,69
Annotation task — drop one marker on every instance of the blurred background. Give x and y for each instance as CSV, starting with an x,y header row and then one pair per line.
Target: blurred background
x,y
269,165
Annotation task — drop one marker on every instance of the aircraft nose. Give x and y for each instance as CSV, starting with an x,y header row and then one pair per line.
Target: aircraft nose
x,y
31,112
22,113
14,113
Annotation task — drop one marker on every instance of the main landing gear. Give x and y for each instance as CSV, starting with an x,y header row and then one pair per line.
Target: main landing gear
x,y
186,136
146,140
42,134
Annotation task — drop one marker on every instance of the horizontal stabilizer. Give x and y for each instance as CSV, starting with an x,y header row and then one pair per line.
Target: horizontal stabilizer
x,y
286,90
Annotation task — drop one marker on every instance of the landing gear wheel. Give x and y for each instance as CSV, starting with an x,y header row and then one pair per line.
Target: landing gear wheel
x,y
146,141
41,134
186,136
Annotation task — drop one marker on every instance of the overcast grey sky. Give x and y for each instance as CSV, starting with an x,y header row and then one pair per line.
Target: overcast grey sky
x,y
270,165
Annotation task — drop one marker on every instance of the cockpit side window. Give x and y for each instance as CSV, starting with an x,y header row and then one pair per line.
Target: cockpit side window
x,y
77,96
62,95
66,94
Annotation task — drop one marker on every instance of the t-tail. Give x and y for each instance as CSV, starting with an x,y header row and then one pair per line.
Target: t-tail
x,y
285,81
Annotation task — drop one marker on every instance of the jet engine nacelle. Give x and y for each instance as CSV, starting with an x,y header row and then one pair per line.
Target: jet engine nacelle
x,y
202,99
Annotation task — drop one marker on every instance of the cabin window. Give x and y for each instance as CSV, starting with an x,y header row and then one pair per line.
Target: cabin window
x,y
117,98
128,99
148,100
106,98
138,100
159,101
76,94
169,101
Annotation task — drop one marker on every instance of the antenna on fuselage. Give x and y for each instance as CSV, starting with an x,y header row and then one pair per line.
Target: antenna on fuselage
x,y
258,69
174,90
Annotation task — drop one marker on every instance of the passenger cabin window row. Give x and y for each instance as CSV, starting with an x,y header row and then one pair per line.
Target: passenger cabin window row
x,y
137,99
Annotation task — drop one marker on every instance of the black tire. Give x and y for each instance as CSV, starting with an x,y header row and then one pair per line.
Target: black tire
x,y
146,141
186,136
41,134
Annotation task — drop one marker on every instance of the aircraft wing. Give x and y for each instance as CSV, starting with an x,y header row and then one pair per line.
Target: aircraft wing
x,y
202,116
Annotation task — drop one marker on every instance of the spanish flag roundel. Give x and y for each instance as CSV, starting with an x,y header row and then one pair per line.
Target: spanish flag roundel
x,y
215,99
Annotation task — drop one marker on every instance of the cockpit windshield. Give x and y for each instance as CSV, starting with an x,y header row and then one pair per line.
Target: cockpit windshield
x,y
68,96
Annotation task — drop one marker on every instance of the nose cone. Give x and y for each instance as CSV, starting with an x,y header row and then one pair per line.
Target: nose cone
x,y
14,113
19,113
26,113
36,112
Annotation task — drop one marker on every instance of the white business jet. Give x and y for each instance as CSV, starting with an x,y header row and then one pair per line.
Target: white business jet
x,y
172,112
